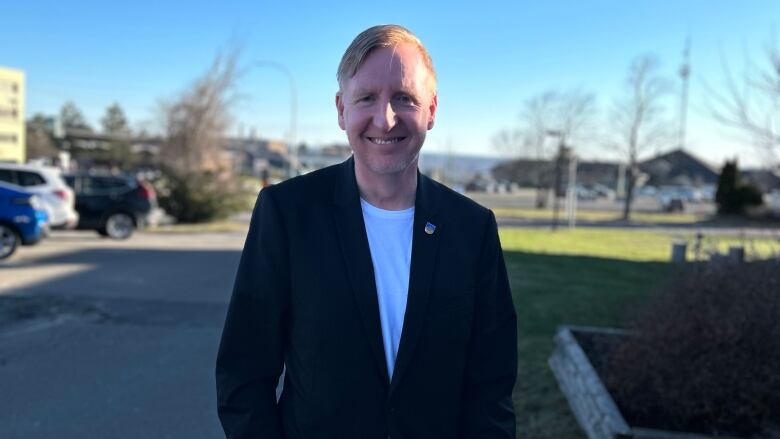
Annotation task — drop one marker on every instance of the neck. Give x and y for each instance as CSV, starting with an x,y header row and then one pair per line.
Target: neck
x,y
394,191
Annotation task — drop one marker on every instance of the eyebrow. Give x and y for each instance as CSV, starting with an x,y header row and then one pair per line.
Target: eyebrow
x,y
363,90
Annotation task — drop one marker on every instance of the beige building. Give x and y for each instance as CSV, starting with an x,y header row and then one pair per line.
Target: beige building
x,y
12,129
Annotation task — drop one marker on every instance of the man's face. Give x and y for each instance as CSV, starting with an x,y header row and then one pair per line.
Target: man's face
x,y
386,109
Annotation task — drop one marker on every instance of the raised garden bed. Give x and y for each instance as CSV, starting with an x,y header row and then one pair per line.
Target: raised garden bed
x,y
578,357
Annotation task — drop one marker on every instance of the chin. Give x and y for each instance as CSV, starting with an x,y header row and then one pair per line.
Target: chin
x,y
382,166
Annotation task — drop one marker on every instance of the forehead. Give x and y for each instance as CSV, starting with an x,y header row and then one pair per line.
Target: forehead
x,y
400,67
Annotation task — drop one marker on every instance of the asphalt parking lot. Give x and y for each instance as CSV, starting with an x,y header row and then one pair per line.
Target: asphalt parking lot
x,y
109,339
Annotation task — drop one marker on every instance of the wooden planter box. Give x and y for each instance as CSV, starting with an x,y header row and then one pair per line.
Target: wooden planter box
x,y
591,403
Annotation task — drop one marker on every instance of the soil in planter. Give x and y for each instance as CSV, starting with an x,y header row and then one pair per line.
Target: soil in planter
x,y
598,348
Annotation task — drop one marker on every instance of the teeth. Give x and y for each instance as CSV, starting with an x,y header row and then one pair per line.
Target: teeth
x,y
385,141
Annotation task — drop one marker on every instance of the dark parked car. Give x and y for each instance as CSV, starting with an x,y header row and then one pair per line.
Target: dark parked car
x,y
672,203
113,205
23,219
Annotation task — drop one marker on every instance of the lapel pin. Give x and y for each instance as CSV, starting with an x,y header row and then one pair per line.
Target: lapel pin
x,y
429,228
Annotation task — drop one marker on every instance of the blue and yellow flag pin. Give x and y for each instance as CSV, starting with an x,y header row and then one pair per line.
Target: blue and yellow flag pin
x,y
430,228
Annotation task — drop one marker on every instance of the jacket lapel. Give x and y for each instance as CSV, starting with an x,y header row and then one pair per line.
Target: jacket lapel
x,y
357,258
425,242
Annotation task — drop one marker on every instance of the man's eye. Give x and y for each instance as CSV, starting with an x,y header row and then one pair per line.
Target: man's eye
x,y
368,98
406,100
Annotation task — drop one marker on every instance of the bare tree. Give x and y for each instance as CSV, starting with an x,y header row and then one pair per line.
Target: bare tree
x,y
751,104
537,118
637,119
509,141
196,122
566,115
569,114
196,185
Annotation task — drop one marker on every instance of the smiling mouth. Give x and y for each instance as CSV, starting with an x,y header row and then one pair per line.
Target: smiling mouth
x,y
387,141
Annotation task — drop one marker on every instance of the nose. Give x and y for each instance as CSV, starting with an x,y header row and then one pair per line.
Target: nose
x,y
384,116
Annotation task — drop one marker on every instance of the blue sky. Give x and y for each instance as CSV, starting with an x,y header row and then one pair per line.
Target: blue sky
x,y
489,56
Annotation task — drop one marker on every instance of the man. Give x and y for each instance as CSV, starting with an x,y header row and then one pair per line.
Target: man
x,y
382,292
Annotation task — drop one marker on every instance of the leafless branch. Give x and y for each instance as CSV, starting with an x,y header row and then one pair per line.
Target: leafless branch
x,y
570,113
638,118
196,122
509,141
751,103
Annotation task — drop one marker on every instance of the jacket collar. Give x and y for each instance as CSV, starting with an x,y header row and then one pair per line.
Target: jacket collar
x,y
357,257
347,192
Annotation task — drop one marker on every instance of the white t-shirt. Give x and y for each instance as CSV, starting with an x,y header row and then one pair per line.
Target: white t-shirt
x,y
390,240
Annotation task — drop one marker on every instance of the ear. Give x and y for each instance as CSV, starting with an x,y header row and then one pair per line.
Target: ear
x,y
340,109
432,110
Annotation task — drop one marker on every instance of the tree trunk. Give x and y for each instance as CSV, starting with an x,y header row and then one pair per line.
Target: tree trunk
x,y
630,182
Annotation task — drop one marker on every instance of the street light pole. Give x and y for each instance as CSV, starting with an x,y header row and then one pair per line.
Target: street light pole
x,y
292,151
558,172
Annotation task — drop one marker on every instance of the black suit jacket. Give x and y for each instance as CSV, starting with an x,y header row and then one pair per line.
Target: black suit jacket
x,y
305,297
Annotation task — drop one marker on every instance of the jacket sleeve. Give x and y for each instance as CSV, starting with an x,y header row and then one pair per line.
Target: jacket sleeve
x,y
491,367
250,358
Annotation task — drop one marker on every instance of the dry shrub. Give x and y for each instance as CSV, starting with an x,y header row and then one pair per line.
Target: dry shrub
x,y
706,356
197,183
198,197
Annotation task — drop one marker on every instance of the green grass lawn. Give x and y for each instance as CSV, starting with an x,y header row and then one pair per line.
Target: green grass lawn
x,y
583,277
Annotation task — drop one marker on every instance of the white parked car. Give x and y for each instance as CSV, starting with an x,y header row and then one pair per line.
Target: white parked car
x,y
46,182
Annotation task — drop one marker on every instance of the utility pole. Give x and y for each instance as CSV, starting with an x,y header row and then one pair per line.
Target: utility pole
x,y
292,150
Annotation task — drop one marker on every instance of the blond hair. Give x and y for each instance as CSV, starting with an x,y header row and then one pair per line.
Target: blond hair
x,y
384,35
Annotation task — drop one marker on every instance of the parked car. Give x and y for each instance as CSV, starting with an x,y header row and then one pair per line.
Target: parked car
x,y
46,182
23,219
603,191
112,205
672,203
585,193
477,184
687,194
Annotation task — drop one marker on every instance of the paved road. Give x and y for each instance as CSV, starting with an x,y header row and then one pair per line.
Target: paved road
x,y
110,339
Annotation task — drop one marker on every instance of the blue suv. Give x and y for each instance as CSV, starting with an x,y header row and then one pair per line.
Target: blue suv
x,y
23,220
